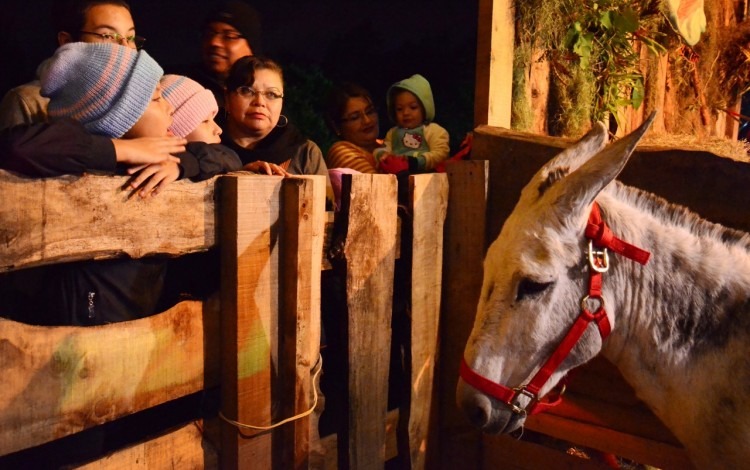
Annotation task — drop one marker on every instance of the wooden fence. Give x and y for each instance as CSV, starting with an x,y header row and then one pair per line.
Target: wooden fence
x,y
258,342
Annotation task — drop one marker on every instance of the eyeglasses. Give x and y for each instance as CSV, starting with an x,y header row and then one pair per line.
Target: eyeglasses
x,y
269,95
226,35
370,112
117,38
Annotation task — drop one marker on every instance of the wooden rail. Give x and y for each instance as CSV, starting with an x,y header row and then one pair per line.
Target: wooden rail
x,y
258,340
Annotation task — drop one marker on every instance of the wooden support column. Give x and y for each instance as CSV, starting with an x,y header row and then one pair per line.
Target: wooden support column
x,y
429,203
494,75
302,232
368,222
462,282
249,228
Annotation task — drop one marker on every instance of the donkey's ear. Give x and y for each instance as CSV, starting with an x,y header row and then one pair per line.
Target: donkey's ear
x,y
580,188
567,161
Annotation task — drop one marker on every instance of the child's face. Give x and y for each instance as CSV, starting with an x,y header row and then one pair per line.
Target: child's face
x,y
408,110
155,121
207,131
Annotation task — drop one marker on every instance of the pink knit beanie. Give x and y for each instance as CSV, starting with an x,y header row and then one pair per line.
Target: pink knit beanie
x,y
191,102
107,87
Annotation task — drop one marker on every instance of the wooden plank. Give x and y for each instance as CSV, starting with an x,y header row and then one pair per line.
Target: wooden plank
x,y
646,451
494,73
329,444
182,448
369,222
462,282
429,202
538,83
249,231
70,218
61,380
301,246
509,453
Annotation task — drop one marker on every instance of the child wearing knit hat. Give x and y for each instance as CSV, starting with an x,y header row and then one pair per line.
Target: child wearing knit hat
x,y
115,91
416,143
194,109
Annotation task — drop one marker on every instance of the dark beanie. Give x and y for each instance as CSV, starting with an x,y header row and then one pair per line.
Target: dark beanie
x,y
243,18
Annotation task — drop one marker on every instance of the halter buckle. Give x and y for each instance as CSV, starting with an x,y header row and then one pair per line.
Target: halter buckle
x,y
512,403
598,260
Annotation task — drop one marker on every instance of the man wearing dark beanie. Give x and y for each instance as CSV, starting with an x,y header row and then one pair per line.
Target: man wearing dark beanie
x,y
230,31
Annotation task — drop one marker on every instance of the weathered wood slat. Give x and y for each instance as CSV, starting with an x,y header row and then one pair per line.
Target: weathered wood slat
x,y
429,201
182,448
301,250
249,323
369,207
494,73
462,282
70,218
61,380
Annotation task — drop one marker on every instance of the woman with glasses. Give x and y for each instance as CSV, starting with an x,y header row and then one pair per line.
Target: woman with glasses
x,y
352,116
264,139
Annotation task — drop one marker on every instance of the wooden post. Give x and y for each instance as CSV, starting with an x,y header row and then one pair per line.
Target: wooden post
x,y
301,246
429,202
462,282
494,76
368,220
249,228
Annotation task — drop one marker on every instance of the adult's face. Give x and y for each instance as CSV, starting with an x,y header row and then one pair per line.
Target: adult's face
x,y
112,21
155,121
222,46
254,114
359,123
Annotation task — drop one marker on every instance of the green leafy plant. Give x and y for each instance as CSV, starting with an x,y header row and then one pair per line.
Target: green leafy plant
x,y
601,38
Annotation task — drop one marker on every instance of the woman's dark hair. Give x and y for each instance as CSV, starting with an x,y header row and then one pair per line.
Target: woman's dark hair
x,y
70,16
338,99
243,71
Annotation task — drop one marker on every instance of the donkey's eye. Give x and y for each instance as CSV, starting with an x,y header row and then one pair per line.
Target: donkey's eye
x,y
529,288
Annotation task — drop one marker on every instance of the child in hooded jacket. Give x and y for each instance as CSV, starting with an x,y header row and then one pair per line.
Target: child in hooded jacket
x,y
416,143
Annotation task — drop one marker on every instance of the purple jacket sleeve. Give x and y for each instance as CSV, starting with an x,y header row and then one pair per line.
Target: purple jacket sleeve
x,y
57,148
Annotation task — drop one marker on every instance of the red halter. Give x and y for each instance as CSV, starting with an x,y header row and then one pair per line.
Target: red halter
x,y
599,235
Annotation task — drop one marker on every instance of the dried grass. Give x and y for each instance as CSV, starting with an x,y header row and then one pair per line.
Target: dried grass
x,y
723,147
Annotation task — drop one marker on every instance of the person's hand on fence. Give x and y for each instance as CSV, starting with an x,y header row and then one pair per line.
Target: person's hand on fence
x,y
266,168
151,179
394,164
143,151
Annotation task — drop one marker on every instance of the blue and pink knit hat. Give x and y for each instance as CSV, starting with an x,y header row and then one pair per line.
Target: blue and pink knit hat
x,y
192,103
107,87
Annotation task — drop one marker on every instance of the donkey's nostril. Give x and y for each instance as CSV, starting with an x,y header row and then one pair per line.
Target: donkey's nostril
x,y
476,406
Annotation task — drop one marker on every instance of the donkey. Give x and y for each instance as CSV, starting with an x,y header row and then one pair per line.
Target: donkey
x,y
679,322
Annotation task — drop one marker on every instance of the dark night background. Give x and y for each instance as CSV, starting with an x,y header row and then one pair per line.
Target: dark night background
x,y
316,42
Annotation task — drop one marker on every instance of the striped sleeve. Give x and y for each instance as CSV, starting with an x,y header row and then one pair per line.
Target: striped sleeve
x,y
344,154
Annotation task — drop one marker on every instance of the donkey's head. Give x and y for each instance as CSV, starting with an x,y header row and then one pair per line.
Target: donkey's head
x,y
535,275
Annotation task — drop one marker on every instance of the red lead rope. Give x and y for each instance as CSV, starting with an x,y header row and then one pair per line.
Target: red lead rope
x,y
602,237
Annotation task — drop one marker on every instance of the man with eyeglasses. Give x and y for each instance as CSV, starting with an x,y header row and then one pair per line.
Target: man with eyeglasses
x,y
230,31
78,20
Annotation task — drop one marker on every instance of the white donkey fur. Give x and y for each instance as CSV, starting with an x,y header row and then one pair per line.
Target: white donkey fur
x,y
680,325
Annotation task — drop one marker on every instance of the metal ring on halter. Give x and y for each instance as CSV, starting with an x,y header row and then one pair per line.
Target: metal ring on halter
x,y
521,391
592,297
601,256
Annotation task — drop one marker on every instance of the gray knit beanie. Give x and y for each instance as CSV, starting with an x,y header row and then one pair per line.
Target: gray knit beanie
x,y
107,87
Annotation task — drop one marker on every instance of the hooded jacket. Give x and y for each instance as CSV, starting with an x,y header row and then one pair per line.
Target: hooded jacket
x,y
426,145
